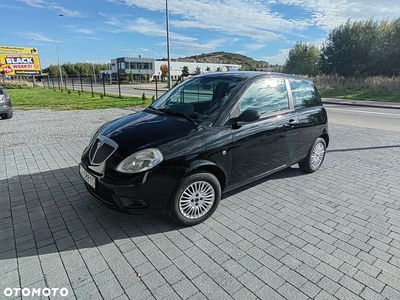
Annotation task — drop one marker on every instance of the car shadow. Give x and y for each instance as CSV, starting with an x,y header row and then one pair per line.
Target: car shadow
x,y
51,211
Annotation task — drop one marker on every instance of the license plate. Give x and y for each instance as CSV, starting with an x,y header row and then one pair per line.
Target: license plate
x,y
91,180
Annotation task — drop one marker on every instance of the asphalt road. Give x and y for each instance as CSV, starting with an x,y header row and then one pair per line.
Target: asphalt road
x,y
366,117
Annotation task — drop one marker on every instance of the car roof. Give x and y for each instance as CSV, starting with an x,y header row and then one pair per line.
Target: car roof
x,y
244,75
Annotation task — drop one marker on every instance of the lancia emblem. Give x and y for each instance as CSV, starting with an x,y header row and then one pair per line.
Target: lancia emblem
x,y
99,144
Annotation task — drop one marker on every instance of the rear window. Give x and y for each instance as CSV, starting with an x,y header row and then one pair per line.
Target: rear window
x,y
304,94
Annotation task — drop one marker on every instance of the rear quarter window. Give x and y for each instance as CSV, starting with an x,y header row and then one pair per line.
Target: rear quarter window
x,y
304,94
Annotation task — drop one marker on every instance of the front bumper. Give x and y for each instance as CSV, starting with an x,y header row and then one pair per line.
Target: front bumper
x,y
144,193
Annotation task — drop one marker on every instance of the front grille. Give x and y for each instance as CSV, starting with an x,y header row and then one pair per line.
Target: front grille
x,y
102,148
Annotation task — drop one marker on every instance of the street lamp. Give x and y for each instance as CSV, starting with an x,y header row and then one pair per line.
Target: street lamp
x,y
148,52
94,72
33,75
168,47
55,41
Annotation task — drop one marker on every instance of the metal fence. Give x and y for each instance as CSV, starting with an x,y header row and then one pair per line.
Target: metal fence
x,y
103,85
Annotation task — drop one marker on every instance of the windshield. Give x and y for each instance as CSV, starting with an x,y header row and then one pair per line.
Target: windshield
x,y
200,98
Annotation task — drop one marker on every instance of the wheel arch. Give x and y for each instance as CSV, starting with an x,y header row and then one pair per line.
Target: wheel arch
x,y
325,136
208,166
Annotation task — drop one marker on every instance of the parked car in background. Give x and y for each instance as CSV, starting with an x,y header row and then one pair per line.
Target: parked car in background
x,y
6,111
208,135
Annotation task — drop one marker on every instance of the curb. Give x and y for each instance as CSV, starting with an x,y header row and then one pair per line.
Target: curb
x,y
150,89
363,103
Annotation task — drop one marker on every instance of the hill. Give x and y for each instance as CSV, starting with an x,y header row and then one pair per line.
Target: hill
x,y
228,58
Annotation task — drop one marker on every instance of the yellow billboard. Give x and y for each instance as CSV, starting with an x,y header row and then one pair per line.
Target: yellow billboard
x,y
19,61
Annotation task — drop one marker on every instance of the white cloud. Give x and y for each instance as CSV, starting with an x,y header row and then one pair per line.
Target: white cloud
x,y
85,31
65,11
143,26
34,3
88,38
53,6
278,59
34,36
234,17
9,6
328,14
193,48
254,46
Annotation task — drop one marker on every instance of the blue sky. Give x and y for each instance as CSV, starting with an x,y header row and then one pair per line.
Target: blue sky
x,y
98,30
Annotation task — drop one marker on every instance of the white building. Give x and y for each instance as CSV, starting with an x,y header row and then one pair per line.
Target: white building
x,y
140,66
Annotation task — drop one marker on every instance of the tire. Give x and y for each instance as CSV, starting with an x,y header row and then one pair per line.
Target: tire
x,y
188,208
7,115
314,159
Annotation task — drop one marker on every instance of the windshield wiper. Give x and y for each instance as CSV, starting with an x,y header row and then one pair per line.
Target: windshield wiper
x,y
152,108
178,114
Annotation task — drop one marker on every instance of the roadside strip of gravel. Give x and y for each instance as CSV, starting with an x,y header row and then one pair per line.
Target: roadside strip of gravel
x,y
40,126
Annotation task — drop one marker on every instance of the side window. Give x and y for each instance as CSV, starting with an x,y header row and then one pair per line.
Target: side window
x,y
266,96
304,94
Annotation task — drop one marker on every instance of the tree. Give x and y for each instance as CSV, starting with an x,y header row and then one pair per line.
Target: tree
x,y
303,59
387,49
52,70
198,70
348,49
130,76
164,70
185,71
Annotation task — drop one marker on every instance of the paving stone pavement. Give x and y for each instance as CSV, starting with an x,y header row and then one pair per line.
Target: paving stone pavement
x,y
333,234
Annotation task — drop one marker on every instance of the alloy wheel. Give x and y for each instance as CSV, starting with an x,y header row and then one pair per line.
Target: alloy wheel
x,y
196,199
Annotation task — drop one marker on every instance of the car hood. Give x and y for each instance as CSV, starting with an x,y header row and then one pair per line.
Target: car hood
x,y
147,130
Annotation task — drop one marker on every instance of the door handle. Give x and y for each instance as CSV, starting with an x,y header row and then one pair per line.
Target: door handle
x,y
293,122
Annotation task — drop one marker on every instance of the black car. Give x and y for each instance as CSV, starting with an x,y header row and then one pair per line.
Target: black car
x,y
6,111
210,134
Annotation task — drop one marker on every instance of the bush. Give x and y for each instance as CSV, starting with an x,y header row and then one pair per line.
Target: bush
x,y
69,91
79,93
11,85
372,83
153,99
101,96
144,97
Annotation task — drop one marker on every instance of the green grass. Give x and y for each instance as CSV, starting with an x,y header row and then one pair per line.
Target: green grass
x,y
360,94
48,98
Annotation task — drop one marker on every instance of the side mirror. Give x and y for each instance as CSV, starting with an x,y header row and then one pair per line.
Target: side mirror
x,y
247,116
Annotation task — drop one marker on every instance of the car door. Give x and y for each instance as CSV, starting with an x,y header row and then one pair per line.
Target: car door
x,y
269,143
312,115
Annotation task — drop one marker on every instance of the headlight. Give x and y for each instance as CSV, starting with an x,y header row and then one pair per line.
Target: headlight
x,y
141,161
